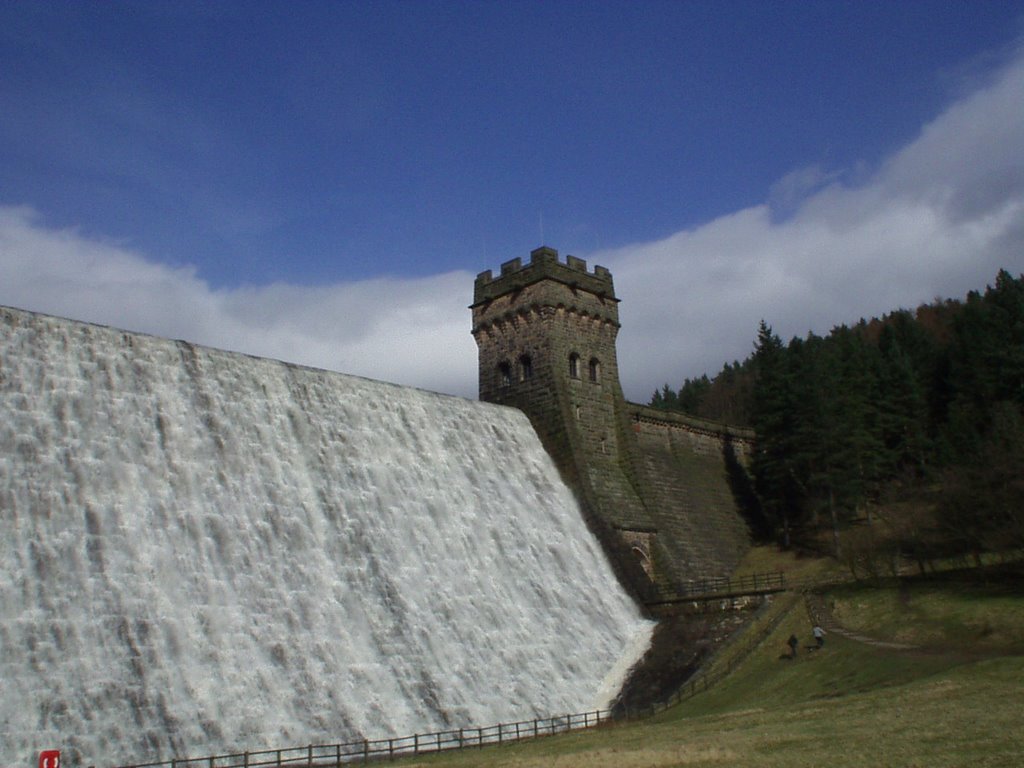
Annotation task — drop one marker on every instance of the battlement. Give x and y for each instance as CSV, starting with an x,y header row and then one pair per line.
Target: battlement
x,y
544,265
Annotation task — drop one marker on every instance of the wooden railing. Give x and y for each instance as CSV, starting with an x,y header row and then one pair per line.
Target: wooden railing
x,y
721,588
366,750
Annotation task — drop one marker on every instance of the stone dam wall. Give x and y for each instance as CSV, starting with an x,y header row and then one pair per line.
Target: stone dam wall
x,y
688,469
660,490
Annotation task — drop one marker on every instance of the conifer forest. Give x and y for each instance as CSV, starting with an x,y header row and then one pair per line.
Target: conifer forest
x,y
899,437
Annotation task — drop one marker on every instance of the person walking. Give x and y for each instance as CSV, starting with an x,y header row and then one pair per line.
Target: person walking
x,y
793,642
819,635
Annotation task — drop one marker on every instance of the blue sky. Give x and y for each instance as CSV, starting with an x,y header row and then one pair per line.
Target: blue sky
x,y
320,182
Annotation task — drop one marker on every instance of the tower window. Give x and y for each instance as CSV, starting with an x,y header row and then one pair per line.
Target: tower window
x,y
595,370
525,368
574,365
505,374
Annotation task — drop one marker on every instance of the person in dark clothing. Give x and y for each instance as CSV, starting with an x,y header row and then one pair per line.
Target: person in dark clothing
x,y
793,643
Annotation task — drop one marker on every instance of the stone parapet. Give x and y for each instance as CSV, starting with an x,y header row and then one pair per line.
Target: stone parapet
x,y
691,423
705,436
543,265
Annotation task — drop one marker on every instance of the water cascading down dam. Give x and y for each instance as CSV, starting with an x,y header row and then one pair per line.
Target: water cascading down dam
x,y
207,552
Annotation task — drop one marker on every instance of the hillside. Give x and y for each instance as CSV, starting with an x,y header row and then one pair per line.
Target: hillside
x,y
924,672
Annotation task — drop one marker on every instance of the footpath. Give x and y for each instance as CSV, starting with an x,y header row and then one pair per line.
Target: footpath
x,y
819,614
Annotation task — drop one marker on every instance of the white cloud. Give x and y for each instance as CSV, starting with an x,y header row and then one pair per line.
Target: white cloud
x,y
413,332
795,187
938,218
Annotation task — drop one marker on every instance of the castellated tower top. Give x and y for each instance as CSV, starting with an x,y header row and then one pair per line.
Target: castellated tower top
x,y
543,320
544,265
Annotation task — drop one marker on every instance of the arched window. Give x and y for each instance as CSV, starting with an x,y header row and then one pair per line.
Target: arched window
x,y
574,365
595,370
505,374
525,368
645,562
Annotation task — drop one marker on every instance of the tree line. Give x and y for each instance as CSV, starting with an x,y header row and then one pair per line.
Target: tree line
x,y
903,435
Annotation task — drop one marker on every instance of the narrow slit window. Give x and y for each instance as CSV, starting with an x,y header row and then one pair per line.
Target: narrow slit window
x,y
574,365
525,367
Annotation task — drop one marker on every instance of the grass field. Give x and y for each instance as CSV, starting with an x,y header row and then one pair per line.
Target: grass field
x,y
958,700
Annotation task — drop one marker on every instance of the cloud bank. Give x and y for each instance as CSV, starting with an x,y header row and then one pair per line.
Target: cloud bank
x,y
413,332
938,218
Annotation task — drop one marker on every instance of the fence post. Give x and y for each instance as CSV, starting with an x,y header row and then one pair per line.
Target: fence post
x,y
245,760
462,743
415,743
279,758
337,753
517,731
366,750
535,727
499,733
309,755
391,749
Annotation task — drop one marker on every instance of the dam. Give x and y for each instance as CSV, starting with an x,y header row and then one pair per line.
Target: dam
x,y
207,552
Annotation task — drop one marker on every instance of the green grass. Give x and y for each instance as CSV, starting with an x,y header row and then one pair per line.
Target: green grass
x,y
768,559
769,678
957,703
972,615
967,715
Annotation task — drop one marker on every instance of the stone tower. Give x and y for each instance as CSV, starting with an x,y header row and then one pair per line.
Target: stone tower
x,y
659,489
546,334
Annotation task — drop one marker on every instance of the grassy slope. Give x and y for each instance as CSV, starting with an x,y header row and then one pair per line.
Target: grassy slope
x,y
958,703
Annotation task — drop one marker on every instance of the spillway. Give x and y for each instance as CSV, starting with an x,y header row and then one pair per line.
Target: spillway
x,y
206,552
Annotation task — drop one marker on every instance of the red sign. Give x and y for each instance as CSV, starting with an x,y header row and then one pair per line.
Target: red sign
x,y
49,758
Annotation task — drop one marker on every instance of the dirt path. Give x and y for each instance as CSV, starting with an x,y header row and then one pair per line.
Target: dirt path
x,y
819,614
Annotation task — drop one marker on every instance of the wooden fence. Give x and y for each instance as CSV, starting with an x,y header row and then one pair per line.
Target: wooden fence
x,y
366,750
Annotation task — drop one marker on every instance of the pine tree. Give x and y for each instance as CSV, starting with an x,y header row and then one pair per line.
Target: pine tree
x,y
772,421
902,401
692,394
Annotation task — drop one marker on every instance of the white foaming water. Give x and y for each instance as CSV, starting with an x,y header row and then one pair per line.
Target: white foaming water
x,y
206,552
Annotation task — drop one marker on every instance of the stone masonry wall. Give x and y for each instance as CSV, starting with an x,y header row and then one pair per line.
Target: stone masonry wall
x,y
686,487
653,486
